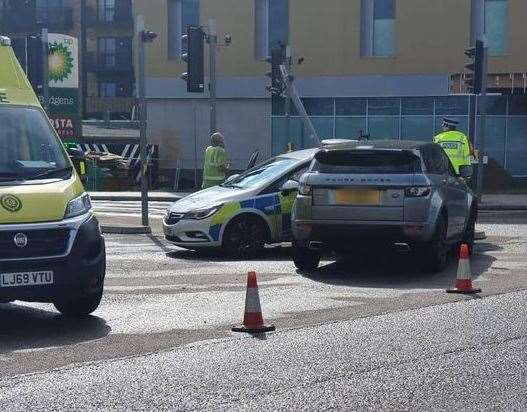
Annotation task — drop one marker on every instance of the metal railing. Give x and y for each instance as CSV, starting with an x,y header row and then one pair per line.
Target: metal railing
x,y
118,107
28,19
100,62
120,18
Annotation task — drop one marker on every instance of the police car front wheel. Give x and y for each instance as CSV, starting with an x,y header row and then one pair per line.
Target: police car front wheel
x,y
245,235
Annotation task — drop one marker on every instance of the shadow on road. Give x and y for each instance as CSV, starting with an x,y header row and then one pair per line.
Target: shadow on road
x,y
396,271
24,327
273,253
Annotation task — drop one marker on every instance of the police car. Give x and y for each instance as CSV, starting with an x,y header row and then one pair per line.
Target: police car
x,y
242,214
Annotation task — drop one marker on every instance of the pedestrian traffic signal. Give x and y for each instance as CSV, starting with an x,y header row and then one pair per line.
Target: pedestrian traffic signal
x,y
474,78
277,58
195,59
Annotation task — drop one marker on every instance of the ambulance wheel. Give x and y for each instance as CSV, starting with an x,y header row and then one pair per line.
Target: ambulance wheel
x,y
81,306
245,236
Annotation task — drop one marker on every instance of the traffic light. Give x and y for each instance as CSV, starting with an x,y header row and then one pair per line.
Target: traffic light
x,y
195,59
35,71
474,78
277,58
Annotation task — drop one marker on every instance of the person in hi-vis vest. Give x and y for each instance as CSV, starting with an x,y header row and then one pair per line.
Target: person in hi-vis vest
x,y
455,144
215,165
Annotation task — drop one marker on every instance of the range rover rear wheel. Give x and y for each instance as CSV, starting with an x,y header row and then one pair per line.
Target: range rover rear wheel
x,y
470,231
305,259
434,254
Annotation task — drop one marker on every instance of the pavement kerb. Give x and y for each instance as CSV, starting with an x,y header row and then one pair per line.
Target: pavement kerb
x,y
497,208
126,230
133,198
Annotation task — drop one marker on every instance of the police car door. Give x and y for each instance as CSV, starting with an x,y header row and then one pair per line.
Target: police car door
x,y
284,203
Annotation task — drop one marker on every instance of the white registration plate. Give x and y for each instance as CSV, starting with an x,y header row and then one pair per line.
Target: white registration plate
x,y
11,280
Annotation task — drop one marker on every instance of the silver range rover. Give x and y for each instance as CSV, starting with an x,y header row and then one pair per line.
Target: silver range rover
x,y
401,194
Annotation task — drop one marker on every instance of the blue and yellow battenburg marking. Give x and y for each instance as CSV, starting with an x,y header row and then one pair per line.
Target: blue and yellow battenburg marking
x,y
276,206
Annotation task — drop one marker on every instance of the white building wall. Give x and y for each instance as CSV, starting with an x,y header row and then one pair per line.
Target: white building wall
x,y
181,129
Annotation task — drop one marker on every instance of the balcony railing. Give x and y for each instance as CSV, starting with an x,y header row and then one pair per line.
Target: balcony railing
x,y
118,63
118,107
27,20
121,19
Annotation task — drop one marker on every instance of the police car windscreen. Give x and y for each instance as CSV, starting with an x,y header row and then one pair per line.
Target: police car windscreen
x,y
28,145
262,174
367,162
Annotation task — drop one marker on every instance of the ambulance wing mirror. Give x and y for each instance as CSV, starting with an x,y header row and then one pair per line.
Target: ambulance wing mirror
x,y
466,171
74,152
288,187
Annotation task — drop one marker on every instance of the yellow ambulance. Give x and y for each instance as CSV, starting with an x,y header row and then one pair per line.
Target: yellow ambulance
x,y
51,247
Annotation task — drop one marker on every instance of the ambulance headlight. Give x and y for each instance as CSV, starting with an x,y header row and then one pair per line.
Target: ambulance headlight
x,y
202,213
78,206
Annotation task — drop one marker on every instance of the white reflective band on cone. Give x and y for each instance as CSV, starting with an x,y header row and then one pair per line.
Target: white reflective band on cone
x,y
252,301
463,269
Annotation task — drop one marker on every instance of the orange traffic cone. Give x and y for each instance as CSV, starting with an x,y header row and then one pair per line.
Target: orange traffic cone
x,y
252,319
463,281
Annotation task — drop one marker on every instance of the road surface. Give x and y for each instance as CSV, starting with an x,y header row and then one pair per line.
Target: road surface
x,y
355,334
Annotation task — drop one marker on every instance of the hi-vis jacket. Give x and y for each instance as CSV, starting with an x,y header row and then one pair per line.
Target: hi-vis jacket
x,y
214,167
456,146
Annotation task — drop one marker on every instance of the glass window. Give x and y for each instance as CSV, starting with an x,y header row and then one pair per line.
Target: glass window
x,y
517,146
435,160
350,127
107,89
107,51
106,10
495,138
496,105
272,26
364,162
384,28
378,27
189,17
496,16
417,128
383,127
278,23
418,105
323,126
181,14
318,106
281,136
264,173
451,105
384,106
350,106
48,11
28,145
518,105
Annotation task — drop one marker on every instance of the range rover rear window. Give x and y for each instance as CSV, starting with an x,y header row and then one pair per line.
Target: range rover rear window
x,y
366,162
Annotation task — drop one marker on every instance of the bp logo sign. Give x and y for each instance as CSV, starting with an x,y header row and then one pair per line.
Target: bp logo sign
x,y
60,62
11,203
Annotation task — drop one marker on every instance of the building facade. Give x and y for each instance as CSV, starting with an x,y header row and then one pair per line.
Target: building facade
x,y
387,68
104,29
